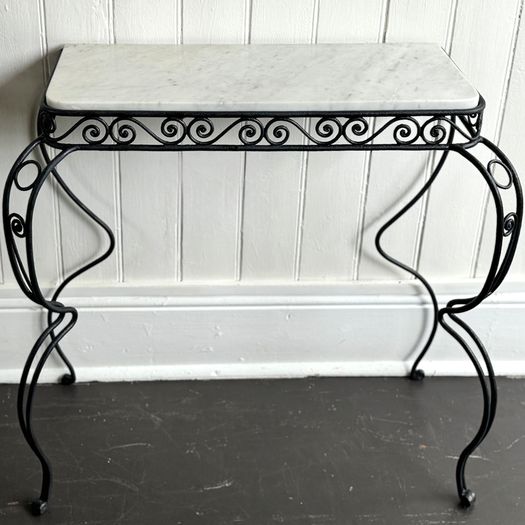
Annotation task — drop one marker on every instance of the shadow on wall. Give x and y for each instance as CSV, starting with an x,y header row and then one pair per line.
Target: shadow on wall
x,y
20,95
402,173
412,167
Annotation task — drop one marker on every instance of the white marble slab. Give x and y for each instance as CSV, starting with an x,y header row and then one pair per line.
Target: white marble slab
x,y
259,78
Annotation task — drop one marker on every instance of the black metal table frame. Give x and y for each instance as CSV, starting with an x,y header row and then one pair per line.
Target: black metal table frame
x,y
68,131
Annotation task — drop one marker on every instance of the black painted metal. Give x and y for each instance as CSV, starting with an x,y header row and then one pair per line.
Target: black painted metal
x,y
456,131
415,372
259,131
69,378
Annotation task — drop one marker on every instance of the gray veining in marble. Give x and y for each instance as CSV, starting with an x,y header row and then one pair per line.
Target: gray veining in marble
x,y
325,77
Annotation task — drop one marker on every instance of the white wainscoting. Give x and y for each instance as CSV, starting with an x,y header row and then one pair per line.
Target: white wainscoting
x,y
203,332
197,219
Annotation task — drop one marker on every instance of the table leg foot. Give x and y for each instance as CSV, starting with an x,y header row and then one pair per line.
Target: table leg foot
x,y
417,375
67,379
467,499
70,377
38,507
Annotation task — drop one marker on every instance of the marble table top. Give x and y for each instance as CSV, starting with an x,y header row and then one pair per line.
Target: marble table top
x,y
324,77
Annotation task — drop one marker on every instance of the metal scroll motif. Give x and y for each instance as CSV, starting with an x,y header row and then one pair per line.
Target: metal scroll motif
x,y
401,130
16,221
509,221
511,218
22,178
17,225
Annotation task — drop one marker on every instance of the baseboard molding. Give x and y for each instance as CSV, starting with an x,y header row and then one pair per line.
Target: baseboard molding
x,y
268,371
261,331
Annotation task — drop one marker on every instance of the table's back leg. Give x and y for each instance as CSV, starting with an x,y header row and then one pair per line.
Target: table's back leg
x,y
415,372
508,225
69,378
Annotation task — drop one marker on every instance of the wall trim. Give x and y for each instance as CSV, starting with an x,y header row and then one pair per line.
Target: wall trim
x,y
232,371
261,331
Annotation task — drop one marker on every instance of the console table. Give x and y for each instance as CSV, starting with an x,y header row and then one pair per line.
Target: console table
x,y
256,98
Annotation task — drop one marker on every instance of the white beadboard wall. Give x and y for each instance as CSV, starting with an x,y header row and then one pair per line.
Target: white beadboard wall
x,y
262,264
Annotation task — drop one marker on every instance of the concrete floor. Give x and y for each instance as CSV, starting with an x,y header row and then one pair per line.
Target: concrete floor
x,y
313,451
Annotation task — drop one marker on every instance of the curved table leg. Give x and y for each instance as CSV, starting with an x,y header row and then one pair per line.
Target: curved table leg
x,y
18,228
415,372
70,378
508,225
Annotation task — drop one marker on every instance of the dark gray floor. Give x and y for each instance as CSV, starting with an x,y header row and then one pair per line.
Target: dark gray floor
x,y
313,451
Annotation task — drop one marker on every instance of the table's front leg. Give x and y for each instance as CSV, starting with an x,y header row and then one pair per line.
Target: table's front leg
x,y
18,228
508,225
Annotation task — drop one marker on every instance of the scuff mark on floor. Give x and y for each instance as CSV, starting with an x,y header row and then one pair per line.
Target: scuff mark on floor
x,y
222,485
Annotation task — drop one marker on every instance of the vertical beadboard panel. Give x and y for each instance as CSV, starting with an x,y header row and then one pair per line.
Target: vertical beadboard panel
x,y
22,45
334,179
89,174
396,176
149,180
212,181
75,22
482,41
257,201
210,207
511,141
419,21
341,21
143,22
275,22
273,183
213,21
